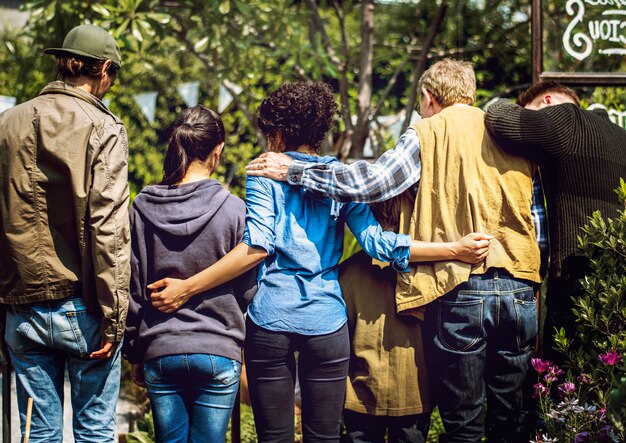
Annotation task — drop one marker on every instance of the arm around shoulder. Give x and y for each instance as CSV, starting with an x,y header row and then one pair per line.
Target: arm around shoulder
x,y
531,133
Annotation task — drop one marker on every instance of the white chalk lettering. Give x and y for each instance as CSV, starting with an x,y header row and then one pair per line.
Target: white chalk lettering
x,y
618,3
609,28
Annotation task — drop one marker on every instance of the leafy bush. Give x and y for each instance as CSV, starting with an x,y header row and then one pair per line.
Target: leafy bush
x,y
144,432
595,358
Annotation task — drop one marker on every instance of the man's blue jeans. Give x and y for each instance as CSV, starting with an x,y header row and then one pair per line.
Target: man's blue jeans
x,y
46,338
483,333
192,396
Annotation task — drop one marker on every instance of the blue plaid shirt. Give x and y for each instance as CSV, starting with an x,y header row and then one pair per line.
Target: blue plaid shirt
x,y
538,213
393,173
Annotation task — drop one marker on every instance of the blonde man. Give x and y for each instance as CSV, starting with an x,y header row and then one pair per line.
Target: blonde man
x,y
482,317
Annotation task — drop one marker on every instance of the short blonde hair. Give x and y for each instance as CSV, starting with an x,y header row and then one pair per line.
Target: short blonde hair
x,y
450,82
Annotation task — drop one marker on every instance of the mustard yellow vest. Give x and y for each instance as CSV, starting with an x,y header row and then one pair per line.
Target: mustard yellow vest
x,y
468,185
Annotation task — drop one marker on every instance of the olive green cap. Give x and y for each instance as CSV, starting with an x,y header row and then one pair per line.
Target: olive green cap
x,y
89,41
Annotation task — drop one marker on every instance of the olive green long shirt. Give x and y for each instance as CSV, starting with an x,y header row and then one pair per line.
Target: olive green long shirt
x,y
64,195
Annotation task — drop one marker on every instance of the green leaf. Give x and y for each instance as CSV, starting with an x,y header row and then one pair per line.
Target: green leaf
x,y
135,32
224,7
163,19
139,437
243,8
98,8
201,45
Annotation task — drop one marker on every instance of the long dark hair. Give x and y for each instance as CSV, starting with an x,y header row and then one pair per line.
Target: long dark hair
x,y
194,135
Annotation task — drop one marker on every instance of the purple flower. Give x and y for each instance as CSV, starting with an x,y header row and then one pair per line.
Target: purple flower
x,y
549,378
611,358
567,388
556,371
584,379
581,437
540,365
539,390
605,434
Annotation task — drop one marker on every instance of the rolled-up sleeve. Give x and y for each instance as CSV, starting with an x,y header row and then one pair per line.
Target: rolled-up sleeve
x,y
382,245
260,229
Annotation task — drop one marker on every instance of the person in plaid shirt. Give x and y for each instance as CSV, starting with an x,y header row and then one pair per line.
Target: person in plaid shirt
x,y
482,320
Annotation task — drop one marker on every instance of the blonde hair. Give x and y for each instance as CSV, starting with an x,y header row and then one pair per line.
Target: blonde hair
x,y
450,82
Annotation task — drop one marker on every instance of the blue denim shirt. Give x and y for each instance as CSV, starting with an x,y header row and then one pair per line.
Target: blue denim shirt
x,y
302,233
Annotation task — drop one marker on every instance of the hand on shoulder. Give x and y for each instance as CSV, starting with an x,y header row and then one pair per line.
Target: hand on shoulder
x,y
271,165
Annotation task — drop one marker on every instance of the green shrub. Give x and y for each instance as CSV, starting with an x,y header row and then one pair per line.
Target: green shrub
x,y
600,334
144,432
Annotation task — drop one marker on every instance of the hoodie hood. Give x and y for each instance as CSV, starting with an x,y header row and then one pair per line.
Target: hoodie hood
x,y
181,210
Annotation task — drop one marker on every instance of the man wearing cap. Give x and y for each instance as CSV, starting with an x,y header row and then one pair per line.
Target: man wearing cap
x,y
64,236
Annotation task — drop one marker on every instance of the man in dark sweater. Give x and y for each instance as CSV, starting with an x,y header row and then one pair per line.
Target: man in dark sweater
x,y
582,156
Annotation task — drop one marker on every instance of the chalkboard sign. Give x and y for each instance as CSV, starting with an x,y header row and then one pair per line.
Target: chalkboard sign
x,y
580,41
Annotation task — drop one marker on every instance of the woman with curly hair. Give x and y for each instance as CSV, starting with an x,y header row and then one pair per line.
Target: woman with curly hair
x,y
298,238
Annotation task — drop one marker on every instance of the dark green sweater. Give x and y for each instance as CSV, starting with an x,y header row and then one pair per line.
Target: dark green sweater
x,y
582,156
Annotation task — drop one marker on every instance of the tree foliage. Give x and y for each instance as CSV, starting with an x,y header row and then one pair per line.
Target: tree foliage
x,y
369,52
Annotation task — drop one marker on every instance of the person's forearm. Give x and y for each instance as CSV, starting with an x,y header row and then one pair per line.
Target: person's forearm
x,y
472,248
530,133
425,251
240,259
394,172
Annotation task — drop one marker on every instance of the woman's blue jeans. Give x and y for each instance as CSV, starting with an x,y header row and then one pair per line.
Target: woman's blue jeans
x,y
483,333
46,338
192,396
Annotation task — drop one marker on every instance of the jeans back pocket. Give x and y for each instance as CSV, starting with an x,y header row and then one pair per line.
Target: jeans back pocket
x,y
18,329
85,333
526,319
226,370
460,322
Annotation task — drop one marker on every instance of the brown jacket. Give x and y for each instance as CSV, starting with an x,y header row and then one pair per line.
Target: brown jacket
x,y
64,204
387,374
468,184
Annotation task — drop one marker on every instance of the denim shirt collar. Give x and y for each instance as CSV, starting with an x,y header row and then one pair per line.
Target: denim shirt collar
x,y
335,207
310,158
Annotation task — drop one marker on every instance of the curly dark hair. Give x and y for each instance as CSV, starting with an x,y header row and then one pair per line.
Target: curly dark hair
x,y
300,113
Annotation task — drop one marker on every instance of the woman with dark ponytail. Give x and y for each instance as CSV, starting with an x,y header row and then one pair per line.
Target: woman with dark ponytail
x,y
190,360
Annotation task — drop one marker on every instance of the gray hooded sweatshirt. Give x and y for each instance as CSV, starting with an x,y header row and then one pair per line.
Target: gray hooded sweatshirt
x,y
177,231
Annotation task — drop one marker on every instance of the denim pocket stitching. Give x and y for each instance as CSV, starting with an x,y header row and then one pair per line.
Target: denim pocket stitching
x,y
464,303
22,330
152,371
235,371
524,305
81,344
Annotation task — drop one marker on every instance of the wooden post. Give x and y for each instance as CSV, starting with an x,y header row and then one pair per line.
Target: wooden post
x,y
537,41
